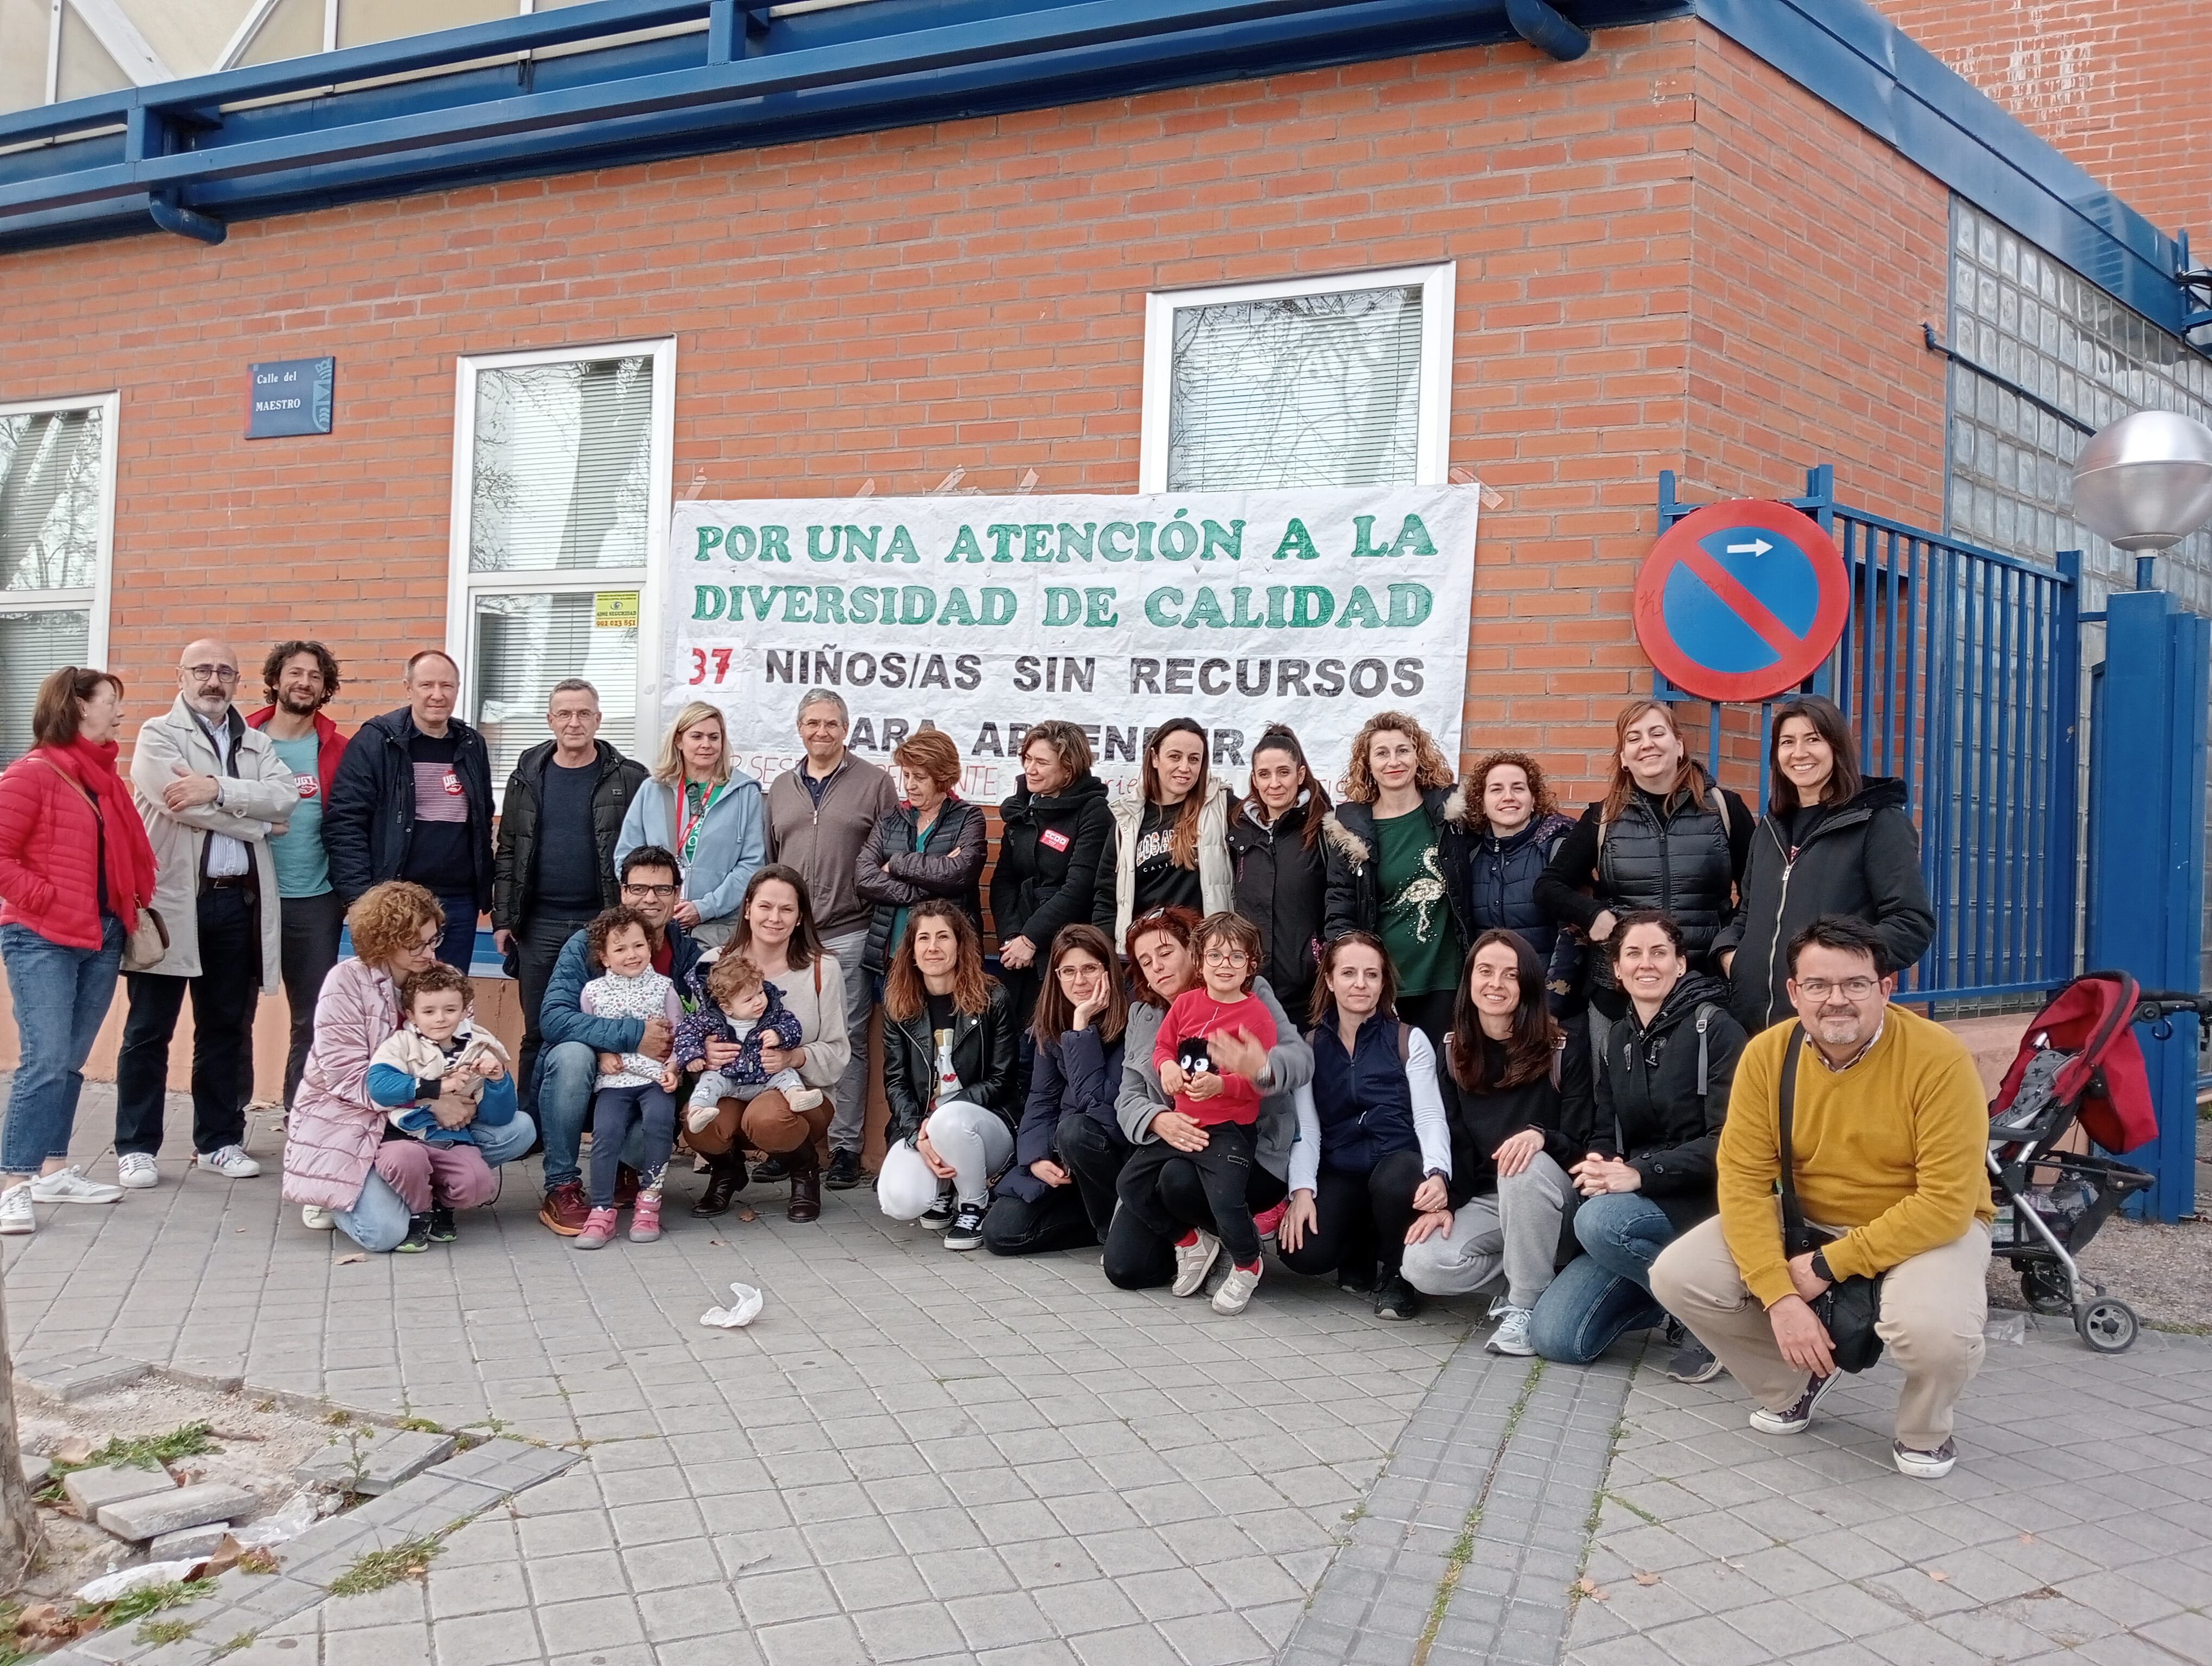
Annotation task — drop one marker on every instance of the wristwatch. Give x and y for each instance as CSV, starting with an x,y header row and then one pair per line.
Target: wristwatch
x,y
1821,1269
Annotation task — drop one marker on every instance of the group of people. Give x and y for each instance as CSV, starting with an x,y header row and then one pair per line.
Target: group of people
x,y
1435,1039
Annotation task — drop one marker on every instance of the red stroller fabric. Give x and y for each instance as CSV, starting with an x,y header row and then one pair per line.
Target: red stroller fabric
x,y
2091,1019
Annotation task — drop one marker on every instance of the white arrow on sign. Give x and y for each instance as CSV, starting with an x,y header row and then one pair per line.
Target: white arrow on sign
x,y
1758,546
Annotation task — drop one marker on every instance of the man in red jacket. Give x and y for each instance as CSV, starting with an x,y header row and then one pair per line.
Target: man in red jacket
x,y
299,678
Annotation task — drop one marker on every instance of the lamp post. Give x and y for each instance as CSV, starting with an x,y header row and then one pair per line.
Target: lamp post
x,y
2144,482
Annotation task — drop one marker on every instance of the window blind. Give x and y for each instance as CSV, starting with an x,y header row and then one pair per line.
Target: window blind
x,y
525,644
563,466
50,486
1320,390
33,646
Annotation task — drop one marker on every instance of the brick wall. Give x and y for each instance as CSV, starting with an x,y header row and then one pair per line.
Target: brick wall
x,y
2122,87
1660,266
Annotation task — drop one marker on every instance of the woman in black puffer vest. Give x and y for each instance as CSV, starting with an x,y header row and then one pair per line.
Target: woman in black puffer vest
x,y
1833,841
1664,837
1282,866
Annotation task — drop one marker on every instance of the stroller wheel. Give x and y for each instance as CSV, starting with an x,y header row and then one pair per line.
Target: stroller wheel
x,y
2045,1290
2106,1325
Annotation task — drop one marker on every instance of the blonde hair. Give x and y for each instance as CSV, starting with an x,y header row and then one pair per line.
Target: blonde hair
x,y
669,771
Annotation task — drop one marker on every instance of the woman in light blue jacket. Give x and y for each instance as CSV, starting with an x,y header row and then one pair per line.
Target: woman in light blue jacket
x,y
709,814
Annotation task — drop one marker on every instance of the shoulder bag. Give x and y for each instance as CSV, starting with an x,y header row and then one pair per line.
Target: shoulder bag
x,y
1850,1307
148,940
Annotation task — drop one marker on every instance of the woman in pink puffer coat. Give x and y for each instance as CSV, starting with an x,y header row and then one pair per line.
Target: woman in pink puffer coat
x,y
332,1139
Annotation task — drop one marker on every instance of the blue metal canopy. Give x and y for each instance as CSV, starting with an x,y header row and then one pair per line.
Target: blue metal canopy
x,y
428,112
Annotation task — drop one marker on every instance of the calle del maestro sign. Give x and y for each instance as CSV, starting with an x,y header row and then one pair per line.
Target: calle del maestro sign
x,y
1742,600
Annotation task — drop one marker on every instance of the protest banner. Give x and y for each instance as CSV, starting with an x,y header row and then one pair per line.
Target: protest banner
x,y
982,615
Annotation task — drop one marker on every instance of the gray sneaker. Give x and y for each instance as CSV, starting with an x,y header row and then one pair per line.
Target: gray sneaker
x,y
1512,1336
1792,1420
1924,1466
1693,1361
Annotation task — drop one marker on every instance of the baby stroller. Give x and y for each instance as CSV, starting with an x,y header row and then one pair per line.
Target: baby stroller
x,y
2078,1063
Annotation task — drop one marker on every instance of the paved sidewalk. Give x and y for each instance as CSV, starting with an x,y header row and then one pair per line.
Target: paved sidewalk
x,y
916,1455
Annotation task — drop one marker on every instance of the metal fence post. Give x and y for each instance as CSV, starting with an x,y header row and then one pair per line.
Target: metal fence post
x,y
2061,876
2146,881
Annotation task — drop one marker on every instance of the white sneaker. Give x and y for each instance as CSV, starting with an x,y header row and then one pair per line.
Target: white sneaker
x,y
698,1113
16,1219
1194,1260
1512,1336
70,1186
231,1162
137,1171
1236,1290
315,1217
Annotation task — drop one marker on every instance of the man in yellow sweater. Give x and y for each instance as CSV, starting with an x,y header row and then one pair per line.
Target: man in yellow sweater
x,y
1889,1138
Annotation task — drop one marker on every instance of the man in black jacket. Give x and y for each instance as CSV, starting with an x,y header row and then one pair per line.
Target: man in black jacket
x,y
412,800
554,867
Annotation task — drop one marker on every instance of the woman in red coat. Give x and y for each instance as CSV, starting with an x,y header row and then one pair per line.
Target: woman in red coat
x,y
75,870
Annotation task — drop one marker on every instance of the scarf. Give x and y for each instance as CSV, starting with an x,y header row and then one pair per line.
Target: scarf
x,y
130,855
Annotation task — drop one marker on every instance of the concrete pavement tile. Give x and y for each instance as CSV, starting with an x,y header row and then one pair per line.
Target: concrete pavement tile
x,y
486,1640
1215,1639
827,1642
999,1619
685,1612
770,1598
950,1574
578,1574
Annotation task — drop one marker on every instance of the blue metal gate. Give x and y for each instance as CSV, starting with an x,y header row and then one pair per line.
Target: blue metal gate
x,y
1961,670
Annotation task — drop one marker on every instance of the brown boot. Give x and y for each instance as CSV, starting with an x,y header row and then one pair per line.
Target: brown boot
x,y
805,1184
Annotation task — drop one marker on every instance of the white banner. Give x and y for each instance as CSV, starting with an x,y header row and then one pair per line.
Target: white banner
x,y
982,615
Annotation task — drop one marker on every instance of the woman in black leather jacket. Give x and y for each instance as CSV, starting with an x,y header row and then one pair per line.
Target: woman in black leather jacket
x,y
949,1052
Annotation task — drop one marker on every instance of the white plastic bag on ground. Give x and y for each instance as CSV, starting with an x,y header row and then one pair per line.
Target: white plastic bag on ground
x,y
109,1586
741,1310
280,1527
2007,1328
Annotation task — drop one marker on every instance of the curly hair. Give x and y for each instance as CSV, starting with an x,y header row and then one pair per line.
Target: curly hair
x,y
1236,930
905,994
1478,781
273,667
731,976
436,979
1431,767
388,920
601,932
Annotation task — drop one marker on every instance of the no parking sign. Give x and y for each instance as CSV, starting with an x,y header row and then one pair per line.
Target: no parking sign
x,y
1742,600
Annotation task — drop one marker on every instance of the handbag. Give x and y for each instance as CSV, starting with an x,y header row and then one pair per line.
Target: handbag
x,y
1850,1307
148,939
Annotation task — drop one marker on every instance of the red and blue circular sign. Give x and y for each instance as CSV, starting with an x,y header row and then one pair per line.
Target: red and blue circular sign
x,y
1742,600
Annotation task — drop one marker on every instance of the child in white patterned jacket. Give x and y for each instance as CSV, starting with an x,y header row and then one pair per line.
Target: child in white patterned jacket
x,y
629,1093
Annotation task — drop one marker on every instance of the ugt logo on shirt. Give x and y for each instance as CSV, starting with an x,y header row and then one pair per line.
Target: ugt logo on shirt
x,y
453,785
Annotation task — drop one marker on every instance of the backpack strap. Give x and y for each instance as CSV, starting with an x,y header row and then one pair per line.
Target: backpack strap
x,y
1704,1016
1559,1052
1795,1238
1720,807
1405,1042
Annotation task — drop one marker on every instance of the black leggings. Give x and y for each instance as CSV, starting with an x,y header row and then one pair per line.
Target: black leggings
x,y
1139,1258
1359,1219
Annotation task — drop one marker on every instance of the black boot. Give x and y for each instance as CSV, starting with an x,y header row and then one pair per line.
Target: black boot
x,y
725,1178
775,1166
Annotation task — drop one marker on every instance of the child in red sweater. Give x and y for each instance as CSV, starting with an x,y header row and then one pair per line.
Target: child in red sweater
x,y
1225,1104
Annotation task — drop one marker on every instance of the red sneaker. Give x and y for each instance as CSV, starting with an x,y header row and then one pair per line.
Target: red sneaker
x,y
565,1209
1267,1220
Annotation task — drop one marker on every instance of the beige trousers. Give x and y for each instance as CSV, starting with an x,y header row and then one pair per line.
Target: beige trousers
x,y
1933,1306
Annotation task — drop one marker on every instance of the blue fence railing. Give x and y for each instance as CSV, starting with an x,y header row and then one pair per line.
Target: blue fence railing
x,y
1961,670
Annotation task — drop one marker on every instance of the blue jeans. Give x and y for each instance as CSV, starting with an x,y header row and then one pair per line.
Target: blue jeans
x,y
566,1075
456,947
377,1220
60,995
1606,1290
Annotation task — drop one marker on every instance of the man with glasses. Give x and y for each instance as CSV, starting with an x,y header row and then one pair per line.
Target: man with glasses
x,y
555,863
212,793
1888,1138
412,800
573,1039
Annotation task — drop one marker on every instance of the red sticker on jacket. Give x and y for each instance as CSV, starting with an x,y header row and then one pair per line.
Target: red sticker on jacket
x,y
453,785
1053,839
308,785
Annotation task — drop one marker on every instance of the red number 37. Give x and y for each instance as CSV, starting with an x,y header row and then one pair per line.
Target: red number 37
x,y
699,657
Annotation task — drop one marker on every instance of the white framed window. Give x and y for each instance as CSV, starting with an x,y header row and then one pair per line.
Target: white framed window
x,y
1312,382
562,463
57,546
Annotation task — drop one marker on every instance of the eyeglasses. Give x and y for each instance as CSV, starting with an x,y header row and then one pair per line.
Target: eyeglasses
x,y
1227,957
1854,989
213,673
662,891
